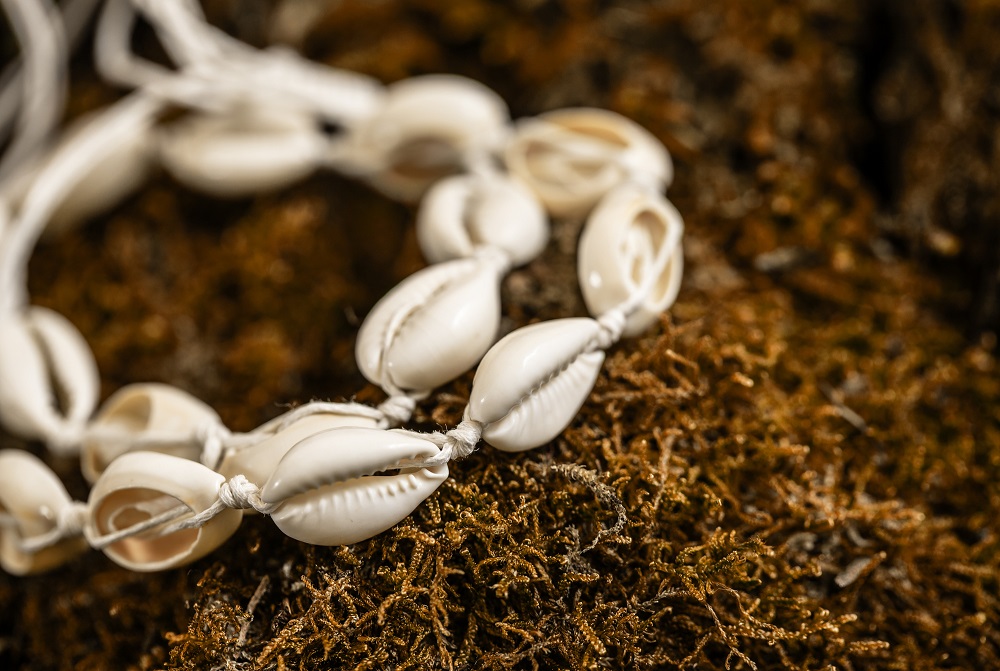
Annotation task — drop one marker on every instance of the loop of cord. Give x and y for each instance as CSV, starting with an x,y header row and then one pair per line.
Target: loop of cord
x,y
396,410
39,30
213,437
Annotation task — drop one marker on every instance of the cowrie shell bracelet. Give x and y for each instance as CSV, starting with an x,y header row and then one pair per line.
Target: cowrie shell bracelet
x,y
170,482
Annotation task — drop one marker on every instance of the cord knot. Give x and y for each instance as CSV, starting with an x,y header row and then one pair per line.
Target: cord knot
x,y
239,493
458,443
212,436
464,438
72,519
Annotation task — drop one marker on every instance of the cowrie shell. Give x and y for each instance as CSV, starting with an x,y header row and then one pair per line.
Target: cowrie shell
x,y
140,485
572,157
45,363
258,462
531,384
109,179
330,492
433,326
631,233
34,497
244,152
412,142
149,417
462,213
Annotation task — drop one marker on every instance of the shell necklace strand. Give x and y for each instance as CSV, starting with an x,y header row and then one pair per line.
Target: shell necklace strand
x,y
170,482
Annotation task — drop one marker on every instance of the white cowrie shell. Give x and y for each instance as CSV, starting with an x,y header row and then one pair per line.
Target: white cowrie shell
x,y
244,152
258,462
45,362
631,233
426,128
108,180
140,485
150,417
330,492
572,157
433,326
35,498
531,384
464,212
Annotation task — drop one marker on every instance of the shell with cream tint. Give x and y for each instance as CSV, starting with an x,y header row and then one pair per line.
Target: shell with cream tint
x,y
108,181
258,461
632,237
462,213
34,498
149,417
571,157
434,326
48,377
411,142
243,152
333,488
531,384
139,486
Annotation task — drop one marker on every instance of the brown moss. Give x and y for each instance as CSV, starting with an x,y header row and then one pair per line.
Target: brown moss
x,y
797,469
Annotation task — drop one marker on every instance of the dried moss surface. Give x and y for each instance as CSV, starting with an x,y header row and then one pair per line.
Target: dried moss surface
x,y
797,469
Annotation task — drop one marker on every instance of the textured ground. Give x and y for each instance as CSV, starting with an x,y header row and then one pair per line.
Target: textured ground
x,y
799,468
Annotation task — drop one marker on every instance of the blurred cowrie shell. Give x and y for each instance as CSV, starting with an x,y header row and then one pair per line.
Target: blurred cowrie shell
x,y
531,384
462,213
571,157
108,180
258,462
426,129
435,325
35,499
149,417
244,152
631,233
137,487
48,377
331,491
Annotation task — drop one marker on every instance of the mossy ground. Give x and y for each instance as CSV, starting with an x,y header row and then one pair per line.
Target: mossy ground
x,y
798,468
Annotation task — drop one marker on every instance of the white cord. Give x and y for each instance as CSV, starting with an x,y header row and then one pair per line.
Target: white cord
x,y
39,31
75,17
